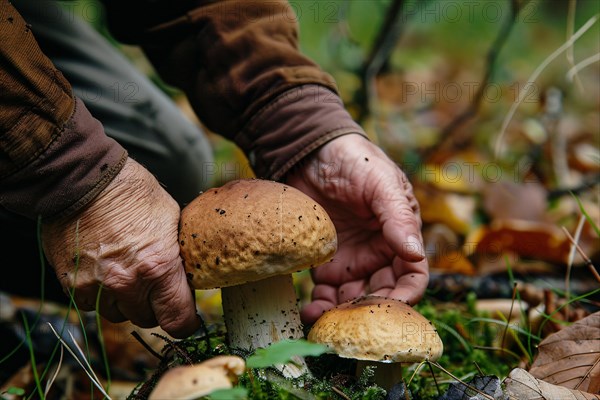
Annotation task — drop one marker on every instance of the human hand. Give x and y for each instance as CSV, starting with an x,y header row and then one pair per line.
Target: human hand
x,y
377,219
124,244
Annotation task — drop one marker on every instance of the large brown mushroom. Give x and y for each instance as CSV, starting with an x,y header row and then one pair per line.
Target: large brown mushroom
x,y
378,331
247,238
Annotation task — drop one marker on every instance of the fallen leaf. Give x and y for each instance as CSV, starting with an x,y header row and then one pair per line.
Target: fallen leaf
x,y
571,356
522,385
536,240
454,210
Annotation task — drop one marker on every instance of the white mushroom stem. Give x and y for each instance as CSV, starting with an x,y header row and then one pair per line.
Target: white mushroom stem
x,y
260,313
386,374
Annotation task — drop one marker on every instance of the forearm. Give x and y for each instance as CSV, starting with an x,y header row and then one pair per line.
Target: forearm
x,y
54,156
240,66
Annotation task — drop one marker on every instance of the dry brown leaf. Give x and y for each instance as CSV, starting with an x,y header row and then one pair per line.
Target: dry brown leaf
x,y
530,239
522,385
571,356
454,210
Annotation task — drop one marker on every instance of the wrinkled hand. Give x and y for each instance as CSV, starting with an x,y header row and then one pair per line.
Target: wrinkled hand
x,y
377,219
124,244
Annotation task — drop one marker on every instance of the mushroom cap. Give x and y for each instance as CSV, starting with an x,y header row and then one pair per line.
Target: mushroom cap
x,y
377,328
252,229
194,381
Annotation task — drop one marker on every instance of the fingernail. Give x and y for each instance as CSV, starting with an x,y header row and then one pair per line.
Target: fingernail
x,y
415,247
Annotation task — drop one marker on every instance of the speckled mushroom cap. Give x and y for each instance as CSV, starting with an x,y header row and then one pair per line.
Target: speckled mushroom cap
x,y
251,229
377,329
194,381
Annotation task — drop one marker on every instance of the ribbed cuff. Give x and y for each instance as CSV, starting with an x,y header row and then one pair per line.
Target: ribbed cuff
x,y
292,126
75,168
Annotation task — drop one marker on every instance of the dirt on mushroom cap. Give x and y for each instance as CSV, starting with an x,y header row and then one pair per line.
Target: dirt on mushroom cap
x,y
377,329
252,229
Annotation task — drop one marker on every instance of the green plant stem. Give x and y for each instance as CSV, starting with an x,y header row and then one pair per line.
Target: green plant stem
x,y
36,376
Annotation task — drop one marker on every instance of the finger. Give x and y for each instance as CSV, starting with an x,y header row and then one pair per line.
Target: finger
x,y
400,223
112,313
383,278
355,261
174,305
139,313
411,283
324,297
351,290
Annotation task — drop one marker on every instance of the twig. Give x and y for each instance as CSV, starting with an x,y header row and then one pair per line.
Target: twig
x,y
447,133
175,347
572,252
388,36
586,259
536,73
478,368
435,379
340,393
487,396
137,337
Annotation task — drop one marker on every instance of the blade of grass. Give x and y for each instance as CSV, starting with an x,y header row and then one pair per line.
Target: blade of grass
x,y
536,73
587,216
101,341
51,380
454,333
36,377
503,323
578,298
90,373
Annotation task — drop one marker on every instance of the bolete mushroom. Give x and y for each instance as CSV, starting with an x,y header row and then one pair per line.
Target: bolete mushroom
x,y
378,331
194,381
247,237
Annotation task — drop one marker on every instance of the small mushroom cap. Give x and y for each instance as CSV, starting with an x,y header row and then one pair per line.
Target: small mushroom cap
x,y
252,229
377,329
193,381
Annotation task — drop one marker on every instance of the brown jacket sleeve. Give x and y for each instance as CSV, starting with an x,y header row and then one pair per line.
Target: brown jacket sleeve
x,y
54,156
239,64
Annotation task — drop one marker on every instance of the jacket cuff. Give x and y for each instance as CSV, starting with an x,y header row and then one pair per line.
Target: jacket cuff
x,y
74,168
292,126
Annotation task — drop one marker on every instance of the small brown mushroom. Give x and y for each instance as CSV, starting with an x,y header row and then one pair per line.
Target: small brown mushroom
x,y
194,381
378,331
247,238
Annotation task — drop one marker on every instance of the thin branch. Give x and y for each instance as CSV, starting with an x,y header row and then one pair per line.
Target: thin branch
x,y
586,259
571,260
139,338
448,132
388,36
340,393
